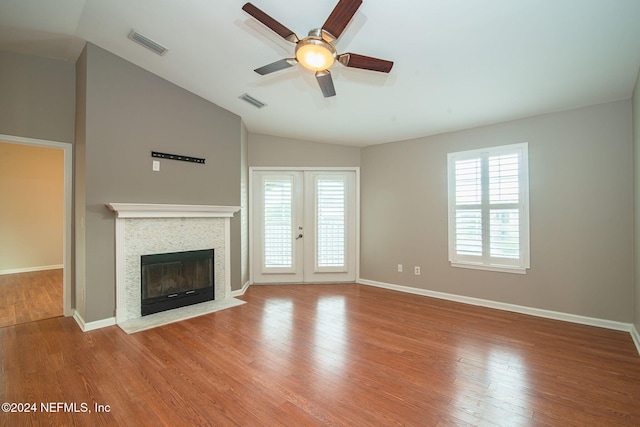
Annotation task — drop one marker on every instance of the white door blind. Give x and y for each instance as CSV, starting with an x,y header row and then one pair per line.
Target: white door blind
x,y
330,222
278,241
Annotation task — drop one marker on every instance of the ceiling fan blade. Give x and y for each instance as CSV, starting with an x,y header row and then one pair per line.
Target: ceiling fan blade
x,y
339,18
326,83
276,66
365,62
271,23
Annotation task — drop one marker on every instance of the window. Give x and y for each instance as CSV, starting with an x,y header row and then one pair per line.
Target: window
x,y
489,208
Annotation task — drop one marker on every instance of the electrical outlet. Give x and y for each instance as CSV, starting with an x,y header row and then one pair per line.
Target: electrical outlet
x,y
399,268
416,270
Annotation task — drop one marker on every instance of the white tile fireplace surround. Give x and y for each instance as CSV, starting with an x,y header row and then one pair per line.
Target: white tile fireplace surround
x,y
145,229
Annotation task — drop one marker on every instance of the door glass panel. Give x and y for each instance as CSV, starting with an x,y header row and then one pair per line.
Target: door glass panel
x,y
330,222
278,242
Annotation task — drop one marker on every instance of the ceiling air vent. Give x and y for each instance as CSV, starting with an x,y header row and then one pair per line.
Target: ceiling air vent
x,y
148,43
251,100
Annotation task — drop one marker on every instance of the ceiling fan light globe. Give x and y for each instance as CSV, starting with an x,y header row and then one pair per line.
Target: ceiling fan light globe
x,y
315,55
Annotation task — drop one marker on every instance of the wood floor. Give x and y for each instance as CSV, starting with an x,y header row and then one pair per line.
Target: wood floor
x,y
349,355
25,297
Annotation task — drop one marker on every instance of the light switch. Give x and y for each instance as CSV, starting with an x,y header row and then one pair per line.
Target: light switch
x,y
156,165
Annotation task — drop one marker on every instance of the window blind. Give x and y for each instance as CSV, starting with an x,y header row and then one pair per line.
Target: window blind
x,y
330,222
278,241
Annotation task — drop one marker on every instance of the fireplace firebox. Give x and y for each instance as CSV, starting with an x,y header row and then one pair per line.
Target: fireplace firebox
x,y
176,279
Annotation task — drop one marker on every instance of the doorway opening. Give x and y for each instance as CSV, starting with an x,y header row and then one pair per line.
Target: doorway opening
x,y
35,275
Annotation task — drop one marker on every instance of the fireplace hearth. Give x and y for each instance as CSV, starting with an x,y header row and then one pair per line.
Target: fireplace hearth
x,y
176,279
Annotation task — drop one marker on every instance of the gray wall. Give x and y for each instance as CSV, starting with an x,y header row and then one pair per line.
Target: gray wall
x,y
636,169
244,212
268,151
580,163
79,249
581,198
129,113
37,97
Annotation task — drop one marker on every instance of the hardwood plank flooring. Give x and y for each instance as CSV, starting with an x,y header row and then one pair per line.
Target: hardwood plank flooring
x,y
316,355
26,297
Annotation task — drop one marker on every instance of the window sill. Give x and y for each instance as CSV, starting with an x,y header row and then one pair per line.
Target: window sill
x,y
498,268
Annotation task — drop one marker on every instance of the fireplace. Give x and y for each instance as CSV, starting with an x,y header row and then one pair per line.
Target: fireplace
x,y
143,229
176,279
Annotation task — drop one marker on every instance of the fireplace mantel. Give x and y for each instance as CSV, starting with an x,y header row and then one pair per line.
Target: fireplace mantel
x,y
147,210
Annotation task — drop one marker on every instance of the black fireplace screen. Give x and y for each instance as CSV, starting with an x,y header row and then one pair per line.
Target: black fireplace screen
x,y
177,274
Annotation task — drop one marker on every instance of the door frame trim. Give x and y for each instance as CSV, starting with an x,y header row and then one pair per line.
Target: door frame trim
x,y
253,169
67,149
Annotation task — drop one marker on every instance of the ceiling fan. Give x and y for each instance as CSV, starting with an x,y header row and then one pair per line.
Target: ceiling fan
x,y
316,51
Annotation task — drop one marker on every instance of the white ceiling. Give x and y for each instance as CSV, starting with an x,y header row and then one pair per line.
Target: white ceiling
x,y
458,63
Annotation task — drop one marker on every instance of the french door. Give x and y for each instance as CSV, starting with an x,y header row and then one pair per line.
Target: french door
x,y
304,226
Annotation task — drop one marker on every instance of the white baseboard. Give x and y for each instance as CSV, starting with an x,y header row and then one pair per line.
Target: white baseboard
x,y
31,269
90,326
240,292
555,315
636,337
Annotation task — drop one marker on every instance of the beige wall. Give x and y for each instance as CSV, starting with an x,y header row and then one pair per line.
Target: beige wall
x,y
129,113
32,198
636,180
268,151
37,97
581,198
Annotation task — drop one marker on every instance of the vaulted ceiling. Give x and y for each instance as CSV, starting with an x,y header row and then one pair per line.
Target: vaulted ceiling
x,y
457,63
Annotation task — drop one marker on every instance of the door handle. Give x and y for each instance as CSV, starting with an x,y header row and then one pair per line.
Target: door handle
x,y
299,236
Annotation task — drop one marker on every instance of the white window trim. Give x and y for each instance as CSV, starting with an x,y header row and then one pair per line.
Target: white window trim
x,y
487,263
